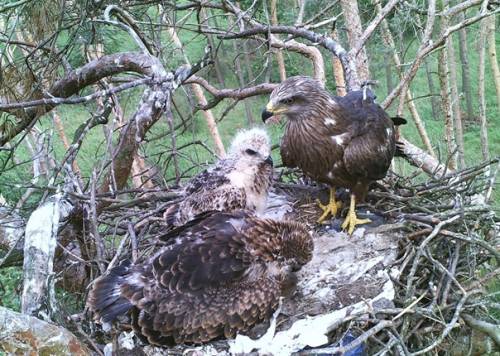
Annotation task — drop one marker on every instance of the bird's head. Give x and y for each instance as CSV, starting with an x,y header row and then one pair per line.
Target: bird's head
x,y
251,147
296,244
295,97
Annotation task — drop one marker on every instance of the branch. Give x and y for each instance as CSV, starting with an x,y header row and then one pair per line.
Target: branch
x,y
427,47
78,79
324,41
489,329
371,27
238,93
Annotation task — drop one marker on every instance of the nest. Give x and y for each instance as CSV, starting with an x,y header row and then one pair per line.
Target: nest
x,y
429,265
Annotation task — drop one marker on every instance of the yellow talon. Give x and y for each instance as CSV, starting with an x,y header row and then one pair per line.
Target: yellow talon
x,y
351,219
332,207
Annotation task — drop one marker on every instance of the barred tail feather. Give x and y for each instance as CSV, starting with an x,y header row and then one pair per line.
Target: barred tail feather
x,y
106,299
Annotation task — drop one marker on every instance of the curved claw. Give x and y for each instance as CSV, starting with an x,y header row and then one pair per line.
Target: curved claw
x,y
351,220
332,207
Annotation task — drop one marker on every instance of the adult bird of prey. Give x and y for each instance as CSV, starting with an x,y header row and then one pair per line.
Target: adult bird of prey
x,y
239,181
341,141
221,274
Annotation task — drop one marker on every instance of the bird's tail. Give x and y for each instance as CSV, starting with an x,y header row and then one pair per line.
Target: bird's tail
x,y
106,299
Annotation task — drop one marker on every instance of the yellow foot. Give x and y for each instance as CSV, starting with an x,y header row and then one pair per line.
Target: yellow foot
x,y
352,220
331,208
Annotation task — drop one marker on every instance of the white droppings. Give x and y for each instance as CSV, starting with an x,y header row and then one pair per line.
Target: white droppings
x,y
389,131
330,174
329,121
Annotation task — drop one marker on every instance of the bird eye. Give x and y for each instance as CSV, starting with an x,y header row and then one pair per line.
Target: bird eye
x,y
250,152
287,101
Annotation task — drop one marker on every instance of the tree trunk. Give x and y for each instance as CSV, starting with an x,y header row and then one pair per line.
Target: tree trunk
x,y
354,32
446,108
492,52
446,98
432,91
483,133
464,59
455,102
279,53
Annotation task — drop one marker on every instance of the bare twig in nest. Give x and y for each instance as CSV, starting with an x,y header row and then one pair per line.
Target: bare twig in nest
x,y
491,330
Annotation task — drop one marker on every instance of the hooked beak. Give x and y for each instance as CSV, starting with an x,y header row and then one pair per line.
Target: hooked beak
x,y
266,115
269,160
270,111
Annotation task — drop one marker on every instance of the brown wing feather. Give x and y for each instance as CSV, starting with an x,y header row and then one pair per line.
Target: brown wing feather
x,y
221,274
222,198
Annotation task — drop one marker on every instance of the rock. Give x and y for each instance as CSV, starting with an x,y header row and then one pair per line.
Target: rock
x,y
23,334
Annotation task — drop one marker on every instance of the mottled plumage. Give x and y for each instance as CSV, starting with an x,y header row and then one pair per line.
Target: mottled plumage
x,y
342,141
239,181
220,274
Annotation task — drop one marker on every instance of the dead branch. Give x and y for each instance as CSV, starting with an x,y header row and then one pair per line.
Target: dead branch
x,y
239,93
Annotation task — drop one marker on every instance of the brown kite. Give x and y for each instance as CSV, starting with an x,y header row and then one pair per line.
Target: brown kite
x,y
341,141
218,275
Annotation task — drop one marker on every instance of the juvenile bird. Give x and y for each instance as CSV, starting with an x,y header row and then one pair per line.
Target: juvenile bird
x,y
219,275
239,181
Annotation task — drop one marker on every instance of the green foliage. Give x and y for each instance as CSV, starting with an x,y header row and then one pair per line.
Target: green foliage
x,y
11,287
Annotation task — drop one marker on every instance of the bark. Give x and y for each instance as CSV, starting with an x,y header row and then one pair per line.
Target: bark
x,y
354,33
446,108
311,52
432,91
279,53
419,158
455,102
39,249
338,71
445,90
483,133
26,335
464,60
492,53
